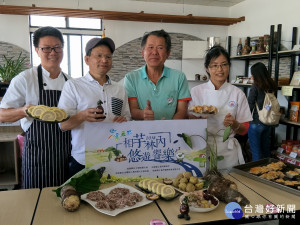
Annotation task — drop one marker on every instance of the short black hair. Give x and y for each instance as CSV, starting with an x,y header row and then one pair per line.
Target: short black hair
x,y
215,52
46,31
157,33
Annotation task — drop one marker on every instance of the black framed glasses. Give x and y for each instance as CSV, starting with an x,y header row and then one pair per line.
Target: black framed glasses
x,y
216,66
57,49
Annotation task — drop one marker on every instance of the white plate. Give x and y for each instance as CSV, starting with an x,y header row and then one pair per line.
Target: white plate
x,y
196,209
115,212
204,115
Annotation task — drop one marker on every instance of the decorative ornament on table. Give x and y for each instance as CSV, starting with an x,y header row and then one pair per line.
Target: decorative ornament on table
x,y
260,45
246,49
239,48
103,32
184,209
266,42
99,106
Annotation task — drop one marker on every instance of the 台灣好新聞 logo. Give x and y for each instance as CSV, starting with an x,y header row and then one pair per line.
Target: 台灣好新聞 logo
x,y
233,210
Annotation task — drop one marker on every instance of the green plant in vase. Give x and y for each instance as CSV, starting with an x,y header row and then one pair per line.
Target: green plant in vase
x,y
12,67
212,151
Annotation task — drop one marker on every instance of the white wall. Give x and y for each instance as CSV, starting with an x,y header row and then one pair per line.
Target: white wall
x,y
14,29
260,14
120,31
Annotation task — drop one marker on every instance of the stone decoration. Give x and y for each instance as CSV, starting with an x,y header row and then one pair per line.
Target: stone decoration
x,y
11,50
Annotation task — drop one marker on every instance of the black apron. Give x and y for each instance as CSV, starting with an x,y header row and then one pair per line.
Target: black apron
x,y
46,147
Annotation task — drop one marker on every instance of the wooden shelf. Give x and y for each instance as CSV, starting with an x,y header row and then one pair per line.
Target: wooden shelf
x,y
287,122
241,85
287,159
266,55
115,15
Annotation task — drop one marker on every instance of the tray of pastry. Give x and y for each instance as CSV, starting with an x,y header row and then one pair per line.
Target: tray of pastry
x,y
47,114
203,110
272,172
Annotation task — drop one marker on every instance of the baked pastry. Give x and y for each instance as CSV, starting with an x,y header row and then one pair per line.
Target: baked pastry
x,y
297,170
38,110
259,170
272,175
292,183
274,166
280,181
167,191
212,109
291,174
48,115
205,109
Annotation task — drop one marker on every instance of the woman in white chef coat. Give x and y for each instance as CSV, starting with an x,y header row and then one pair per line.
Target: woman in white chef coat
x,y
232,104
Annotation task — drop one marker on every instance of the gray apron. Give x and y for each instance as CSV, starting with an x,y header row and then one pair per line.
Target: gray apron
x,y
46,147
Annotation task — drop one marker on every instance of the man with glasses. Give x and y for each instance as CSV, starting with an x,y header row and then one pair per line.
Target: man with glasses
x,y
154,90
46,148
80,98
232,105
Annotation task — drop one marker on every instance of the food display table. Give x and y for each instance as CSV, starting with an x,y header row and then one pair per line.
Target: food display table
x,y
50,211
171,209
17,206
274,195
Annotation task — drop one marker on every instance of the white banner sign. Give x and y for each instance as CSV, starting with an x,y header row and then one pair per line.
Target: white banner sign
x,y
147,148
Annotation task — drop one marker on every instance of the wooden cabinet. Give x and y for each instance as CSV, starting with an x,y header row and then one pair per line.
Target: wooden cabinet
x,y
9,160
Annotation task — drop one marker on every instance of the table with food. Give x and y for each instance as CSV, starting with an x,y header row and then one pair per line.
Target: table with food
x,y
18,206
184,199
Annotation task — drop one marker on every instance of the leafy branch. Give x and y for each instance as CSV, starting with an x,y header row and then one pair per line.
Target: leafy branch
x,y
112,150
213,150
12,67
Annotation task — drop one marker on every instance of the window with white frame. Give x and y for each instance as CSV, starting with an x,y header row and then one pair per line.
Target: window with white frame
x,y
76,33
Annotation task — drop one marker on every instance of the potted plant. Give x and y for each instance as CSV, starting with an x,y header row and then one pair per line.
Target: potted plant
x,y
9,70
12,67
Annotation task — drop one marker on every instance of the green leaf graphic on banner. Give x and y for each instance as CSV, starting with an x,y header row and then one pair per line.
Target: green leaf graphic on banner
x,y
187,139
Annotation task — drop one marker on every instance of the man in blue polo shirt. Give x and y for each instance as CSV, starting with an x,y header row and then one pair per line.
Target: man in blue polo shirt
x,y
155,91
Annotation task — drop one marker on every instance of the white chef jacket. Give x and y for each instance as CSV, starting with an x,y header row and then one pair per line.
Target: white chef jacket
x,y
228,99
84,92
24,89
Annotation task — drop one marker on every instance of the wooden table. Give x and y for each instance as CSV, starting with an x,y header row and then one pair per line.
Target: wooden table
x,y
171,209
274,195
17,207
50,211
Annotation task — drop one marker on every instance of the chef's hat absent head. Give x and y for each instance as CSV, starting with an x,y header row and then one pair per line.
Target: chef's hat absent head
x,y
46,31
94,42
215,52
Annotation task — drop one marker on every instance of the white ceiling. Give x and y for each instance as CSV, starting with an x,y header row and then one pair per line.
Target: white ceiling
x,y
220,3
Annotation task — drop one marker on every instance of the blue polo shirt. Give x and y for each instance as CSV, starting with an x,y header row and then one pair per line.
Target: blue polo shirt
x,y
171,87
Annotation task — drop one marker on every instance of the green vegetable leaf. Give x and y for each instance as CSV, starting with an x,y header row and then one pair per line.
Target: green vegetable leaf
x,y
85,183
226,133
220,157
187,139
